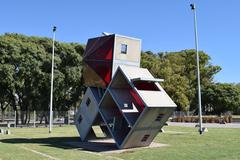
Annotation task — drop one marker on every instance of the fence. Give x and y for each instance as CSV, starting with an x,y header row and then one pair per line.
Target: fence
x,y
41,118
35,118
227,117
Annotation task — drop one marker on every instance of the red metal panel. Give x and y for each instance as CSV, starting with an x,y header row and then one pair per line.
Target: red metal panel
x,y
103,69
138,100
91,78
103,52
99,57
92,45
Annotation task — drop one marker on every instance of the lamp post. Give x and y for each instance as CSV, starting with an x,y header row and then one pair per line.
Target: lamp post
x,y
51,92
193,7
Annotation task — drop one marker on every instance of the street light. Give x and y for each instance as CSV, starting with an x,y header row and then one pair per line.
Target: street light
x,y
51,92
193,7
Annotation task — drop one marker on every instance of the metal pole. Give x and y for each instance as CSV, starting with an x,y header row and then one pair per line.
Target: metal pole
x,y
15,117
51,94
193,7
68,117
34,119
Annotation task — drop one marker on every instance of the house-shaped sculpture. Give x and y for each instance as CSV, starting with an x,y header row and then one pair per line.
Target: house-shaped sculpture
x,y
126,101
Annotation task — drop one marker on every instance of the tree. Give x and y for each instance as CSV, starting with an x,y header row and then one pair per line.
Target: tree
x,y
179,71
221,97
25,67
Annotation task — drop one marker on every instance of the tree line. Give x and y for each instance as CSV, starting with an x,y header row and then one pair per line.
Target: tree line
x,y
25,72
179,71
25,67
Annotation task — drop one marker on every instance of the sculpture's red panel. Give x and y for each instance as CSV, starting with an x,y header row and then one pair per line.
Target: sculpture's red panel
x,y
103,69
102,52
91,77
99,57
137,99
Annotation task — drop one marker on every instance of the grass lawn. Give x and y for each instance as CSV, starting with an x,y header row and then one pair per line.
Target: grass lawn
x,y
184,143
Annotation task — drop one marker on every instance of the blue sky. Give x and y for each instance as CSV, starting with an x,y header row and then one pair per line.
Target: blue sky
x,y
163,25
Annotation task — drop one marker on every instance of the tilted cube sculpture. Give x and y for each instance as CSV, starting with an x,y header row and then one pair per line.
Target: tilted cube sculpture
x,y
126,101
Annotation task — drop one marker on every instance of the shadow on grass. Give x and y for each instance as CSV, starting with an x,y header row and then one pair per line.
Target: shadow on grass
x,y
99,145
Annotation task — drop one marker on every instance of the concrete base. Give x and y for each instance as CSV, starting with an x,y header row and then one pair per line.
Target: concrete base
x,y
108,146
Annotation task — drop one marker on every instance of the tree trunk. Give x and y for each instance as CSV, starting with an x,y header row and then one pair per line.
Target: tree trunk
x,y
22,116
41,118
3,108
15,108
26,117
46,119
2,115
29,117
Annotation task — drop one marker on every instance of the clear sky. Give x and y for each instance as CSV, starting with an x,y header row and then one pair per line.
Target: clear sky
x,y
163,25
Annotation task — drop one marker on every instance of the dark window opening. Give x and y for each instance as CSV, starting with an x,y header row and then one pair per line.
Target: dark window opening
x,y
88,102
80,119
144,85
123,48
159,117
145,137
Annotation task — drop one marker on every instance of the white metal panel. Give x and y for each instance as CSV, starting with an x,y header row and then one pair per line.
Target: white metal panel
x,y
133,49
136,72
156,99
117,63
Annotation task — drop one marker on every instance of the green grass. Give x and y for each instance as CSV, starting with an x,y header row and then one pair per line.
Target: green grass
x,y
184,143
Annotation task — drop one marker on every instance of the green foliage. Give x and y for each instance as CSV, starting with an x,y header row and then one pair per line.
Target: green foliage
x,y
178,69
25,67
219,98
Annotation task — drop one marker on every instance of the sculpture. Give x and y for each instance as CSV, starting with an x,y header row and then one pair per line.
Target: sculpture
x,y
126,101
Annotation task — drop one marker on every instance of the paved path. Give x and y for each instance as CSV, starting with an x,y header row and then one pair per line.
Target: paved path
x,y
208,125
107,146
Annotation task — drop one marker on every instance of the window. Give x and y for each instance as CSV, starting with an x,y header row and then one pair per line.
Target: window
x,y
145,137
125,105
159,117
88,102
123,48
